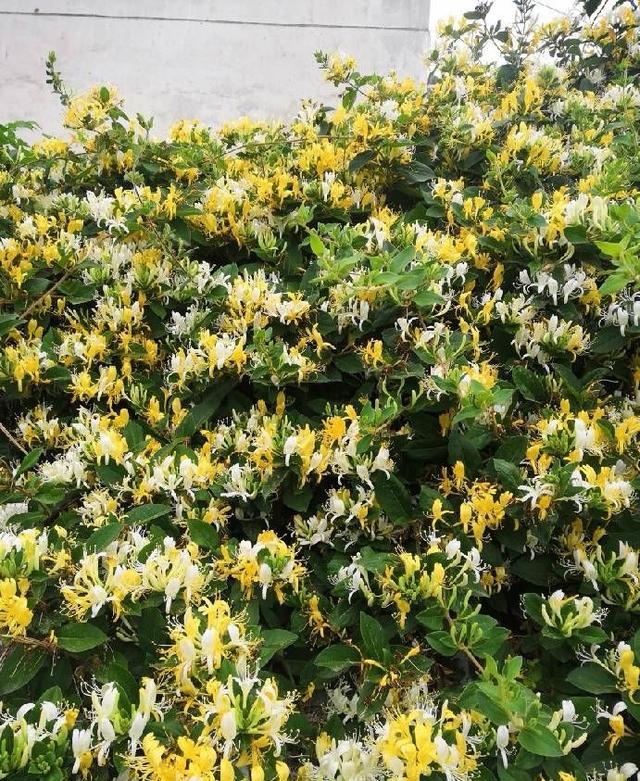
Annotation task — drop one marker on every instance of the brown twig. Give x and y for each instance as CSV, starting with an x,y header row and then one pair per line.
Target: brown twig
x,y
46,293
12,439
30,642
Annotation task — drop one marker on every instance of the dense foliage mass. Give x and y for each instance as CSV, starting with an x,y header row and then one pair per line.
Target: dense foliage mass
x,y
320,441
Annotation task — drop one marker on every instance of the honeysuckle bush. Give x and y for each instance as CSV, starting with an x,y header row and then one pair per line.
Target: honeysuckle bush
x,y
320,440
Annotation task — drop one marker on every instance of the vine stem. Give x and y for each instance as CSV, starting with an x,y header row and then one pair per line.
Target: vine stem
x,y
30,642
12,439
47,292
465,650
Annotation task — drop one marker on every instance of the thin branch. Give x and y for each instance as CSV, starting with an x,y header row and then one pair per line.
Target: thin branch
x,y
47,292
12,439
465,650
30,642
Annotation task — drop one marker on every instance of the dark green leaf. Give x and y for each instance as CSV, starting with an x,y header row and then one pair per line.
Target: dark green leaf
x,y
509,475
147,512
427,298
541,741
297,498
103,537
19,666
608,341
442,643
417,172
274,640
528,383
196,418
203,534
29,461
337,657
8,322
77,638
393,498
374,642
361,159
593,679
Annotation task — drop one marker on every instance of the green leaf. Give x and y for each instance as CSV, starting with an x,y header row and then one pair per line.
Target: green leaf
x,y
360,160
591,635
103,537
297,499
412,279
593,679
591,6
541,741
112,672
513,449
442,643
576,234
375,561
528,383
19,666
486,698
349,363
612,249
614,283
400,261
462,448
373,638
152,628
274,640
77,292
509,475
431,617
393,498
49,495
538,571
533,607
52,694
134,434
511,773
195,419
203,534
506,75
492,643
77,638
316,244
427,299
110,473
147,512
8,322
466,413
417,172
29,461
493,636
337,657
608,341
635,644
349,98
572,383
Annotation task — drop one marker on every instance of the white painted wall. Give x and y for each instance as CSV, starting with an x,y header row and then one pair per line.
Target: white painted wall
x,y
211,59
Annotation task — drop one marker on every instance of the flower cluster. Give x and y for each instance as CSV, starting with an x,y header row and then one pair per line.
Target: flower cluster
x,y
320,439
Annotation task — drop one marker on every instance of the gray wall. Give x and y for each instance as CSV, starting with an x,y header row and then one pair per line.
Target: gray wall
x,y
210,59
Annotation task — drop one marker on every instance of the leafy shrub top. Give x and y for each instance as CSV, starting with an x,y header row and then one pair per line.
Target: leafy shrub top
x,y
320,439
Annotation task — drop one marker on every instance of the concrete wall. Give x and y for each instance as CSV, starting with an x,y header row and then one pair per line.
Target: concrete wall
x,y
211,59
